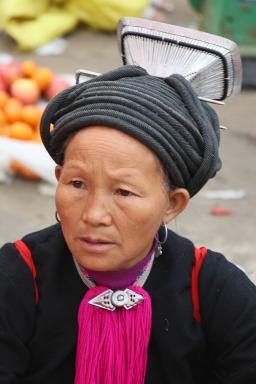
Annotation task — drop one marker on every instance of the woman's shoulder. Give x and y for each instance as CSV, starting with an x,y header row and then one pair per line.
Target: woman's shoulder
x,y
223,286
216,272
46,236
228,311
12,265
215,265
178,253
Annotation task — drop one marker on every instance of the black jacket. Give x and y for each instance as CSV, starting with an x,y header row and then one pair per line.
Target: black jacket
x,y
38,342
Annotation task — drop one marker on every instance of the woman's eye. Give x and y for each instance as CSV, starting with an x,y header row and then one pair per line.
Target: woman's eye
x,y
124,192
77,184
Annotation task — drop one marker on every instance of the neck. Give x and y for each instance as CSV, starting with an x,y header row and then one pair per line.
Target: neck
x,y
123,278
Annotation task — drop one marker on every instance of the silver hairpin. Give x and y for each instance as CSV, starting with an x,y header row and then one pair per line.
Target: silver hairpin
x,y
211,100
90,75
85,73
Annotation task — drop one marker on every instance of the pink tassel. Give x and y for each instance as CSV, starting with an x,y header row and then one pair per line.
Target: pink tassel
x,y
112,346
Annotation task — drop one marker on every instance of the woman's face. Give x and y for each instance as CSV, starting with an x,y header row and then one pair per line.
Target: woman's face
x,y
111,199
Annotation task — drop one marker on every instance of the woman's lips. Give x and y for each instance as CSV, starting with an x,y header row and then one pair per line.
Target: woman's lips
x,y
96,246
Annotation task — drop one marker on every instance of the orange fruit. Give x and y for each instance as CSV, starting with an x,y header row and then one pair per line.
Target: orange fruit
x,y
2,118
24,171
22,131
12,110
28,68
4,97
43,77
4,130
25,90
31,114
37,137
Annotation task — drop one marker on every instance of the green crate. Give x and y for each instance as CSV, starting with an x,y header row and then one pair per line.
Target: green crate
x,y
234,19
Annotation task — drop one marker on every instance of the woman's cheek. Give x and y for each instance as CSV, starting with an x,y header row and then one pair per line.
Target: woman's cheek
x,y
67,193
129,206
64,200
137,210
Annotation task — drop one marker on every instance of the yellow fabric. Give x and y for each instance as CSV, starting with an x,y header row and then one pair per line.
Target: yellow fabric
x,y
34,33
10,9
105,14
33,23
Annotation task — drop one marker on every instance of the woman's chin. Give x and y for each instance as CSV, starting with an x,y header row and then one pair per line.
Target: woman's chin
x,y
97,263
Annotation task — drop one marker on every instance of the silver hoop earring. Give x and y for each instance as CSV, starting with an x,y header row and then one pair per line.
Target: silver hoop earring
x,y
165,235
57,217
159,249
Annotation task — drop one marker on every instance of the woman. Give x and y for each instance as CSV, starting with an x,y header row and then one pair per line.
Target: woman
x,y
116,296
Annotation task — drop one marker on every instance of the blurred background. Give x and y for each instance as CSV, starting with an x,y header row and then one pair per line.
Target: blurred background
x,y
44,42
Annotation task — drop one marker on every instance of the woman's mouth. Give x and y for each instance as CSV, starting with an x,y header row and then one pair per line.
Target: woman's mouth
x,y
95,245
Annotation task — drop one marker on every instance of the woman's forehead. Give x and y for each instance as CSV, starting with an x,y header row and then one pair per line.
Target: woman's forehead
x,y
109,145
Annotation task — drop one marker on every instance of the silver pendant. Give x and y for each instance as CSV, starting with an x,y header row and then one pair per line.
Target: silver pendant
x,y
159,251
110,300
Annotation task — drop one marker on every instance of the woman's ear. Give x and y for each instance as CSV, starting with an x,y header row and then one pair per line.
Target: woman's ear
x,y
178,200
58,171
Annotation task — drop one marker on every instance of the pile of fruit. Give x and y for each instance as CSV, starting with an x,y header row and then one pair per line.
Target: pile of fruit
x,y
24,90
23,87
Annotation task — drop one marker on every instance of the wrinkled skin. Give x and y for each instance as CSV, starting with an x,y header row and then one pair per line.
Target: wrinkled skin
x,y
112,198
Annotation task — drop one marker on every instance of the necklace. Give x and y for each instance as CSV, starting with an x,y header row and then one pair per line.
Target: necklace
x,y
127,298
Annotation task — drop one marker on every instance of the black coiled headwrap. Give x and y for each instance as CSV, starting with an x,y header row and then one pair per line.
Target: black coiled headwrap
x,y
164,114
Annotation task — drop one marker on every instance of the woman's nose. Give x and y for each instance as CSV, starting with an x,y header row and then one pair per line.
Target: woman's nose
x,y
97,211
